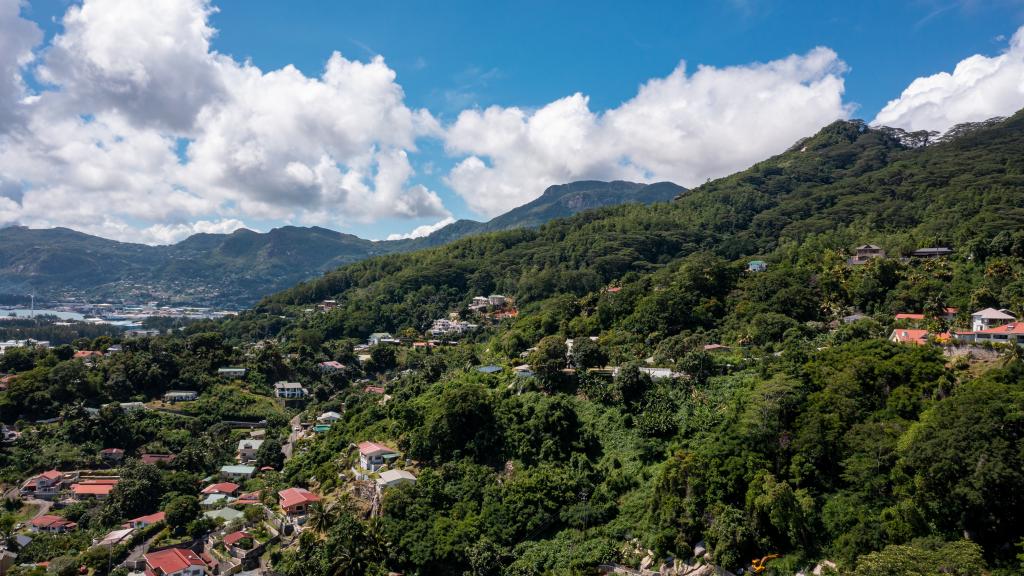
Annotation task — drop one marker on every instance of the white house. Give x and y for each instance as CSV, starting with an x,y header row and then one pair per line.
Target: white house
x,y
990,318
231,372
497,300
378,337
247,449
45,486
373,457
289,390
329,417
180,395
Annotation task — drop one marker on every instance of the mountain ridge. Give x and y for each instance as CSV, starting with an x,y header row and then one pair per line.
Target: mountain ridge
x,y
236,269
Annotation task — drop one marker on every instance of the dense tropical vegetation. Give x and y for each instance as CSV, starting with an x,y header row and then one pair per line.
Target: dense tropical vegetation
x,y
802,434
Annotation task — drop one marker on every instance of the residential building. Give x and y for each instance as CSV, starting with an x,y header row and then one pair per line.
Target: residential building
x,y
87,354
378,337
909,336
174,562
143,521
289,390
226,514
1005,334
331,366
391,478
226,488
479,303
757,266
239,472
866,253
489,369
99,489
173,396
112,455
115,349
247,449
328,417
935,252
157,458
231,372
497,300
447,326
296,501
116,537
248,498
373,457
51,524
523,371
46,485
234,542
990,318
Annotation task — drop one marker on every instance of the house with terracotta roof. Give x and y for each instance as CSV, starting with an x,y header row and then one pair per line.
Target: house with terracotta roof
x,y
157,458
174,562
45,485
296,501
112,455
51,524
909,336
331,366
372,457
87,355
249,498
143,521
239,543
98,489
1005,334
226,488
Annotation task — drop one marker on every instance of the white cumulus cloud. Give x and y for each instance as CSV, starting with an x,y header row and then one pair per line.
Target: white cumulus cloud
x,y
425,230
127,85
979,88
683,127
17,38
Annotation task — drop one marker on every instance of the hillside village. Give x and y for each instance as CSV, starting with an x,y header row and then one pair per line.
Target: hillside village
x,y
241,516
779,391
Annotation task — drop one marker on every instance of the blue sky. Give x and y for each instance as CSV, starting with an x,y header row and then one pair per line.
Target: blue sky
x,y
454,56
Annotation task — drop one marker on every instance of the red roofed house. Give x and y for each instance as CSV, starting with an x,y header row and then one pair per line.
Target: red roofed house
x,y
52,524
45,485
157,458
908,316
143,521
373,456
98,489
374,389
228,488
1005,334
235,537
88,354
331,366
174,562
295,501
248,499
909,336
114,455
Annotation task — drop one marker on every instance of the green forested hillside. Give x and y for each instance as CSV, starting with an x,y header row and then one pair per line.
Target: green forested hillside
x,y
237,269
804,433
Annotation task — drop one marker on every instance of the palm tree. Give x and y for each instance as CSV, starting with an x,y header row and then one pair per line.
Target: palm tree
x,y
1014,354
320,517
